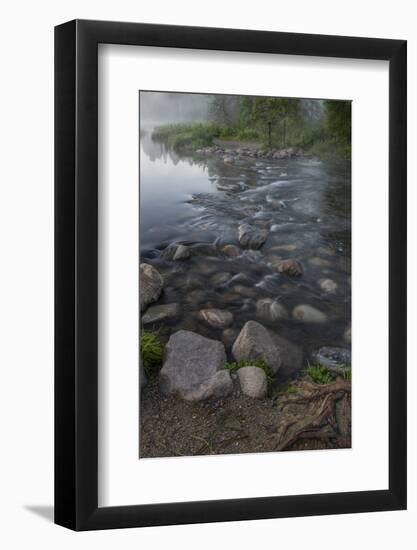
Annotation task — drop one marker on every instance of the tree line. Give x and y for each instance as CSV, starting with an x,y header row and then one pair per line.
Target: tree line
x,y
283,121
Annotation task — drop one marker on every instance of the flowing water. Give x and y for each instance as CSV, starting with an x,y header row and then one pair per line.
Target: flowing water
x,y
200,200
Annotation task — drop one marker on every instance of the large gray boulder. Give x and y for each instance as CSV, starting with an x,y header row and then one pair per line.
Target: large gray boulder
x,y
150,285
193,368
256,343
253,382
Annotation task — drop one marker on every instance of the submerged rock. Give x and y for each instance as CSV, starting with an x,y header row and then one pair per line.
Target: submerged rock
x,y
270,311
203,249
156,314
284,248
231,250
308,314
293,268
182,253
221,278
169,252
193,368
333,358
319,262
246,291
328,285
256,343
150,285
217,318
253,382
252,237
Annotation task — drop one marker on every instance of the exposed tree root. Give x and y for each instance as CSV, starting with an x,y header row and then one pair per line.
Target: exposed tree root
x,y
315,412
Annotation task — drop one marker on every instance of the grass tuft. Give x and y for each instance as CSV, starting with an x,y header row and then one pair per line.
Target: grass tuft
x,y
318,374
152,352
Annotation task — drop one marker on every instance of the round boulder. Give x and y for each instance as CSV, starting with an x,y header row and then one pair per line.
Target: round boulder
x,y
253,382
193,368
256,343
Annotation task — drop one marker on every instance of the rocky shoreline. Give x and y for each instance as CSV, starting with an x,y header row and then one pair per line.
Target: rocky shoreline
x,y
252,307
194,374
237,151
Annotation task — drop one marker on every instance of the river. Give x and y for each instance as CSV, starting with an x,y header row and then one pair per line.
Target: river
x,y
199,200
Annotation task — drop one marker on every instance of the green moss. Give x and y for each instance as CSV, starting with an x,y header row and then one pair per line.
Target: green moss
x,y
319,374
152,352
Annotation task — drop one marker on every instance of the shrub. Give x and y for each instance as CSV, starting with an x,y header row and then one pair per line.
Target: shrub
x,y
151,351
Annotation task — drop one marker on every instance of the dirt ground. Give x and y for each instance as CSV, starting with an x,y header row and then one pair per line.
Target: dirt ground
x,y
240,424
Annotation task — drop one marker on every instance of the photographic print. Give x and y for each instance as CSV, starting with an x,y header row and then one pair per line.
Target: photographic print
x,y
244,275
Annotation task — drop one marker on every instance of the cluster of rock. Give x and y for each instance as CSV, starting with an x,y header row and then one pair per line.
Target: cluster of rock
x,y
229,155
193,367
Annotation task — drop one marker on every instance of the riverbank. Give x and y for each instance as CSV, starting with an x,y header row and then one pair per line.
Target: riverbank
x,y
214,138
291,421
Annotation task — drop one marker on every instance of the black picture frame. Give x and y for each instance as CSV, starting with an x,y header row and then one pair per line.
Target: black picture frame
x,y
76,271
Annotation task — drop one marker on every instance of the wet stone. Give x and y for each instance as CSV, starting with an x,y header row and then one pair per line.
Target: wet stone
x,y
293,268
231,250
270,311
333,358
159,313
252,237
150,285
217,318
308,314
319,262
328,285
182,253
221,278
246,291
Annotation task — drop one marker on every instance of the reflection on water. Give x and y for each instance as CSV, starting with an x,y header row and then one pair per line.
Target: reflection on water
x,y
303,203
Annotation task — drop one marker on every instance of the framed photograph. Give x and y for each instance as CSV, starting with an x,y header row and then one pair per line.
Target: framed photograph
x,y
230,252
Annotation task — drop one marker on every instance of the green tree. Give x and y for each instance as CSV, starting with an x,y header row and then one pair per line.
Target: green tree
x,y
339,119
224,109
270,112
